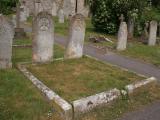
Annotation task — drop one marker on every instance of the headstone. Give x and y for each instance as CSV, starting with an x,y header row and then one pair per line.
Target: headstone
x,y
43,38
82,8
130,28
23,17
74,48
38,7
6,38
121,18
69,7
122,37
61,16
19,32
54,9
152,33
14,20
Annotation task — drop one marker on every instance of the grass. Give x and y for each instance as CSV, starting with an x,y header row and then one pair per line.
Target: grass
x,y
19,99
74,79
150,54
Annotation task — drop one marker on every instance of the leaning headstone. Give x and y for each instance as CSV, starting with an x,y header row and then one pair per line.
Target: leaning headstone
x,y
122,37
61,16
6,38
43,38
152,33
74,48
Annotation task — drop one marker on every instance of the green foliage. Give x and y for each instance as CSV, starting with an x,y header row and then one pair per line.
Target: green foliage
x,y
6,6
106,13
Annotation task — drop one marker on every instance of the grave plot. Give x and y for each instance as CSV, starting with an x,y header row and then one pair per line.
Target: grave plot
x,y
74,79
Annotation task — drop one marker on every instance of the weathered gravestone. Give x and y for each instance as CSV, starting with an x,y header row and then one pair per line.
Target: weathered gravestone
x,y
6,38
23,16
130,28
14,20
69,7
37,7
122,36
152,33
54,9
19,32
75,43
43,38
61,16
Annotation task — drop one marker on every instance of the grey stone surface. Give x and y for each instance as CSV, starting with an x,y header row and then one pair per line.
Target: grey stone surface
x,y
14,20
130,28
23,14
87,104
74,48
6,38
61,16
69,7
130,88
81,8
54,9
122,37
43,38
152,33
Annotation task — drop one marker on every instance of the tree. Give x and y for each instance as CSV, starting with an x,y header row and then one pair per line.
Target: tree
x,y
7,5
106,13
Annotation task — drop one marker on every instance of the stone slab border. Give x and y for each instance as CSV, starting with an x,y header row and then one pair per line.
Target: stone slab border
x,y
130,88
71,111
63,106
85,105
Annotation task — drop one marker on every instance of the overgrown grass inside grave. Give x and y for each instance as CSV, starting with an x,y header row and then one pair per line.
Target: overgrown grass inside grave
x,y
138,100
77,78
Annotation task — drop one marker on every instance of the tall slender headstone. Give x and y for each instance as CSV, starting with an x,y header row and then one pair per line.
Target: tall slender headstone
x,y
122,37
69,7
43,38
6,38
61,16
54,9
74,48
152,33
130,28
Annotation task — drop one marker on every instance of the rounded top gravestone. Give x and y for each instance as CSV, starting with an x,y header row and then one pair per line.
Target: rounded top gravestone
x,y
6,38
43,38
76,37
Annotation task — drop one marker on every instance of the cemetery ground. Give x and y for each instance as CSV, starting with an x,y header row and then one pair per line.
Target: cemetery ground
x,y
21,100
135,48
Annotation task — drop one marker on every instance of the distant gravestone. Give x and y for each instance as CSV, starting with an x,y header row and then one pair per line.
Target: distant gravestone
x,y
75,43
130,28
61,16
23,16
6,38
43,38
152,33
14,20
54,9
38,7
122,37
